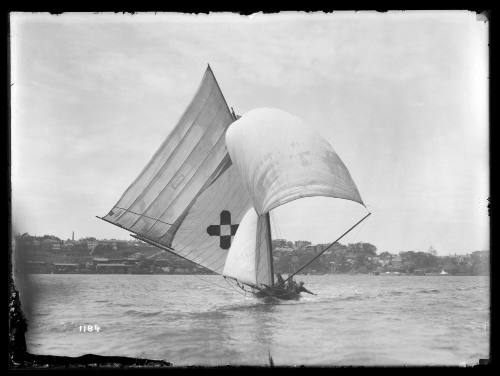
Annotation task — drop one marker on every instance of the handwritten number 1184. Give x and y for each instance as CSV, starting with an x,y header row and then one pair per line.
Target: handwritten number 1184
x,y
89,328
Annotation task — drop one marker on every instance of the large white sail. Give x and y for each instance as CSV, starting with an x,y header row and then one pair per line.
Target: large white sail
x,y
189,197
249,259
209,225
280,160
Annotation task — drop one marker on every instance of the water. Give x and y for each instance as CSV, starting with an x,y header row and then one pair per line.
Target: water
x,y
185,319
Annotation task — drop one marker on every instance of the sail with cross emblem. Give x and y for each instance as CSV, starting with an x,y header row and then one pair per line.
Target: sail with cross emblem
x,y
189,199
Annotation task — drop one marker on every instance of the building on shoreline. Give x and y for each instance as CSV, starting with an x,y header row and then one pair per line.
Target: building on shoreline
x,y
48,254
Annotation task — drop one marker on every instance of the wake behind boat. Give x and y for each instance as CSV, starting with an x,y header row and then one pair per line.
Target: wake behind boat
x,y
207,192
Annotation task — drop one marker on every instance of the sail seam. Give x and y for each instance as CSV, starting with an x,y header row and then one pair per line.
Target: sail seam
x,y
231,202
221,168
313,195
194,174
188,250
162,246
218,87
143,215
155,178
172,250
167,140
201,254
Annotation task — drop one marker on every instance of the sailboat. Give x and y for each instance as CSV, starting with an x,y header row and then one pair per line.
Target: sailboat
x,y
206,193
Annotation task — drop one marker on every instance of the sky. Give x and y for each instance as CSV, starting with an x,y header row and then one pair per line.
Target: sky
x,y
401,96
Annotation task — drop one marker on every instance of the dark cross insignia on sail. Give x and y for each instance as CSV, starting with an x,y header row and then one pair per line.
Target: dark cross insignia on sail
x,y
225,230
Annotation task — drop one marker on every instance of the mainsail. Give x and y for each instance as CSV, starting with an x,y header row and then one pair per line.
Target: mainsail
x,y
189,198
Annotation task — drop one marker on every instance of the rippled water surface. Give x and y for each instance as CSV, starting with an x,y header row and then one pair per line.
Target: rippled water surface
x,y
188,319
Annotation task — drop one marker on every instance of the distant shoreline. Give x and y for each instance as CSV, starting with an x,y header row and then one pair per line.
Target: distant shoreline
x,y
48,254
300,274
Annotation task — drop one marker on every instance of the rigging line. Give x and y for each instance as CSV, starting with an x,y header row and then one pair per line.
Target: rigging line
x,y
359,228
182,253
219,260
175,147
197,276
242,285
199,255
276,226
194,175
218,87
219,171
352,236
356,232
166,249
144,215
192,152
187,250
269,242
273,224
323,251
211,283
184,256
233,200
183,130
232,287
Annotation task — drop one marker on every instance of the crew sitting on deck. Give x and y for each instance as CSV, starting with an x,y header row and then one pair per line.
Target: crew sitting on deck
x,y
291,284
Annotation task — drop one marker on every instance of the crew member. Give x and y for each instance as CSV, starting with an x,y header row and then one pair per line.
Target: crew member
x,y
301,288
280,283
291,285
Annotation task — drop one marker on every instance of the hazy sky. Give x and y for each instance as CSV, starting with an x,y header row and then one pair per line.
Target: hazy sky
x,y
401,96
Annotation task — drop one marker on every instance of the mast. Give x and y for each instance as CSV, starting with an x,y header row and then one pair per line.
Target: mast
x,y
270,247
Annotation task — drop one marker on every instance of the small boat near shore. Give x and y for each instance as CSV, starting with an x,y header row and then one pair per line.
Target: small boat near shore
x,y
393,273
442,273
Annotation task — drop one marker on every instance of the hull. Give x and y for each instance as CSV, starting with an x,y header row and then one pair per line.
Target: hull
x,y
277,293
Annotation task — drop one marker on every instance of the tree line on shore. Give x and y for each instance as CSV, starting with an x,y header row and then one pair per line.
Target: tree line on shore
x,y
363,258
351,258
